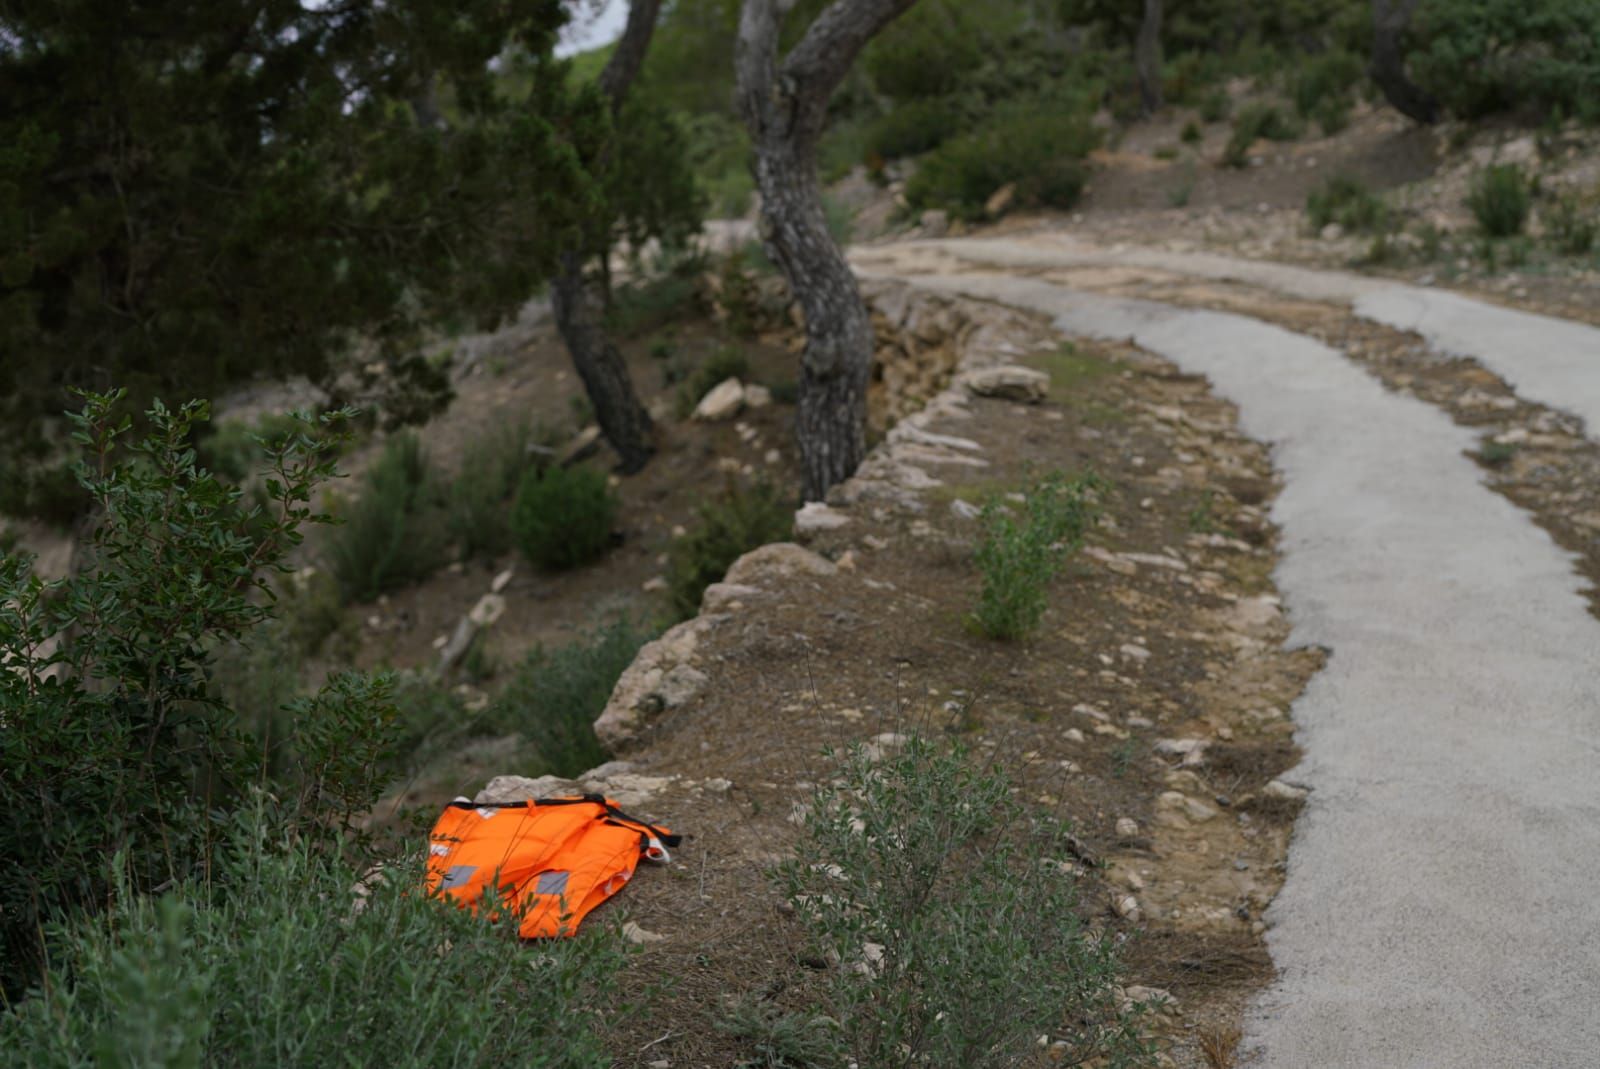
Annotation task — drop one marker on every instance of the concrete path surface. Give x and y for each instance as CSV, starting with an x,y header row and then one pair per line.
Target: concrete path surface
x,y
1442,907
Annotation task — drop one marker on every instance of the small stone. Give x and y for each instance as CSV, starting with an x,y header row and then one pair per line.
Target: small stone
x,y
966,510
1073,735
501,581
757,396
815,516
640,936
1332,232
1127,827
1008,383
489,608
1000,201
1284,792
1127,906
722,402
935,223
654,585
1131,652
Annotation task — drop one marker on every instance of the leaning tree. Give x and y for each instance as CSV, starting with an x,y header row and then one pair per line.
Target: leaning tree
x,y
1390,21
784,100
648,192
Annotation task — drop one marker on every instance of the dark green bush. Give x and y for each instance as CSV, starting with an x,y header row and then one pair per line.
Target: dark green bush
x,y
556,694
1019,554
478,504
393,533
654,298
126,763
1191,133
1347,201
292,966
954,920
42,489
234,449
1323,88
1500,198
1483,56
1216,105
1572,225
1257,121
914,127
1039,148
562,517
727,529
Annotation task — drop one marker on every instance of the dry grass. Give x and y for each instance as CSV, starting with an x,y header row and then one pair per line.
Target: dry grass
x,y
1220,1043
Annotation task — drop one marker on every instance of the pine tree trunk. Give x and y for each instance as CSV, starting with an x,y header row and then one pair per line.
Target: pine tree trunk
x,y
578,298
836,363
1147,58
1390,19
784,104
579,307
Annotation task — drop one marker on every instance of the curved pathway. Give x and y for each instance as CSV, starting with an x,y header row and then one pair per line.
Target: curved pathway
x,y
1442,907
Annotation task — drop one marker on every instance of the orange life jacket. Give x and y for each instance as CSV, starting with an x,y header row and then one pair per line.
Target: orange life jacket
x,y
553,860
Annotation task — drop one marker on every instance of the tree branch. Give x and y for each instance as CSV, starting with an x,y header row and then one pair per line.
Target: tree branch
x,y
824,55
623,66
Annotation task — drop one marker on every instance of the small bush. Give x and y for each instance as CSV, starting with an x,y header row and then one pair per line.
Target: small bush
x,y
43,489
1216,105
562,517
1191,133
1323,88
236,450
394,532
914,127
1572,225
1039,148
1019,555
129,753
556,694
479,500
952,917
1257,121
291,968
1347,201
727,529
1500,199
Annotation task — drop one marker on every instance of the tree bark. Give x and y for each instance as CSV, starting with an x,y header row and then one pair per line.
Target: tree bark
x,y
785,107
578,297
1147,58
1390,19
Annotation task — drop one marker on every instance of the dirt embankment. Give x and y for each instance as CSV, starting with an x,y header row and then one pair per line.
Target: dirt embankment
x,y
1151,709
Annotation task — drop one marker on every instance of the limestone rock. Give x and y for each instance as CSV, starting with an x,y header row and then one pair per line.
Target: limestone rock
x,y
724,401
1008,382
726,597
778,560
815,516
644,688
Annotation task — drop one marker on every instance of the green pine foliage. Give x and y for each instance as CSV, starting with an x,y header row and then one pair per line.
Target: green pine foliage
x,y
1538,57
196,193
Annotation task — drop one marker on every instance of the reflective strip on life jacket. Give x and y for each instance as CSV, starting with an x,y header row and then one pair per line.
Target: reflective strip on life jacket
x,y
554,859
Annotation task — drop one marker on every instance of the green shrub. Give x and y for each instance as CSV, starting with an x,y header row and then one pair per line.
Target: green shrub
x,y
43,489
1039,148
478,507
1216,105
914,127
236,450
726,529
953,918
1191,133
393,533
1500,199
1019,555
562,517
1572,225
290,967
654,298
1483,56
556,694
128,754
1323,88
1257,121
1347,201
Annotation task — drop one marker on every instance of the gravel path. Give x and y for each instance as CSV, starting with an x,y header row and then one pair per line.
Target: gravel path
x,y
1442,907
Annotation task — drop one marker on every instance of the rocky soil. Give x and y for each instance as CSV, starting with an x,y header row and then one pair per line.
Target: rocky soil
x,y
1151,710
